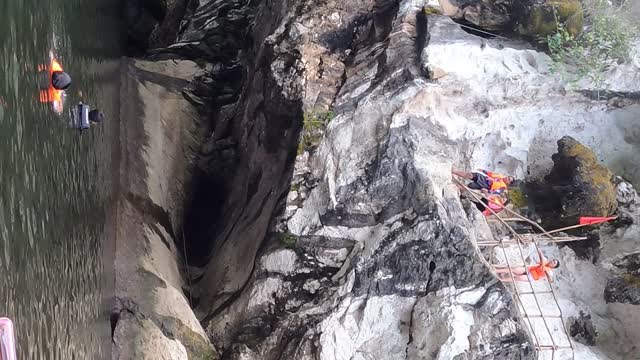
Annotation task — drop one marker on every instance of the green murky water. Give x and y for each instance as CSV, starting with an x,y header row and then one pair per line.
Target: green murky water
x,y
55,184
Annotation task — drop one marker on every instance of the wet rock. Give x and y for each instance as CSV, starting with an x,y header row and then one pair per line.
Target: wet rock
x,y
625,287
578,185
582,329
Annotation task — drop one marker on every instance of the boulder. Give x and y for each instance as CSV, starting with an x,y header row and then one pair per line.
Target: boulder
x,y
582,329
623,289
528,17
578,185
493,15
541,19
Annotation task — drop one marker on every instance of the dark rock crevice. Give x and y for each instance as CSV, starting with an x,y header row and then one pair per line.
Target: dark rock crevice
x,y
222,163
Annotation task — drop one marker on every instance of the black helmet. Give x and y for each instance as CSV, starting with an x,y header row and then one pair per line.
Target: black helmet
x,y
96,116
60,80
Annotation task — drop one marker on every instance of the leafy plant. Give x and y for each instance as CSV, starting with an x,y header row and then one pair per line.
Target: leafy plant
x,y
604,43
288,240
313,126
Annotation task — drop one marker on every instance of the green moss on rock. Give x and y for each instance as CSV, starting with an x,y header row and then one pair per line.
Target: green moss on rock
x,y
197,347
578,185
288,240
517,198
539,20
431,10
314,124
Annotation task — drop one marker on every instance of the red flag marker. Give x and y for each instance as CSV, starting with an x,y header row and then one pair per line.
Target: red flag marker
x,y
590,220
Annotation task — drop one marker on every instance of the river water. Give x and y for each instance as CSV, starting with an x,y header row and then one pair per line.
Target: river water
x,y
55,184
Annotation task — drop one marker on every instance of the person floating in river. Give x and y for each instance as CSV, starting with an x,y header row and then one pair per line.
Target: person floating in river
x,y
53,83
486,181
543,269
82,118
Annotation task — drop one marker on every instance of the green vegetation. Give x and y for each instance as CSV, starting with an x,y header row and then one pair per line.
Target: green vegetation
x,y
604,43
313,127
602,201
517,198
197,347
430,10
288,240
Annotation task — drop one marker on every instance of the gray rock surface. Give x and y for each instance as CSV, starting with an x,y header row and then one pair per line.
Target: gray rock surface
x,y
361,248
368,183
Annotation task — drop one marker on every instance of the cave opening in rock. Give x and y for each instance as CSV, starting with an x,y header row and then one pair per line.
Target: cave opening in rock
x,y
201,217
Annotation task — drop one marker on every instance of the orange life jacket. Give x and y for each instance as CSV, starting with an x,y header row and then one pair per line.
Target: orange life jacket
x,y
497,184
494,174
51,94
497,181
539,271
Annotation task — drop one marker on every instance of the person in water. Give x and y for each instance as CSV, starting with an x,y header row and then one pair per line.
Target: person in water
x,y
53,83
82,118
95,117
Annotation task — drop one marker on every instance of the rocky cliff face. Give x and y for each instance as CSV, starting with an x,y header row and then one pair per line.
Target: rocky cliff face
x,y
359,247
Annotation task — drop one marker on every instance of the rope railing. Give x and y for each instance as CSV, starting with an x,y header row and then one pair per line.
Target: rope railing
x,y
530,239
572,227
519,241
